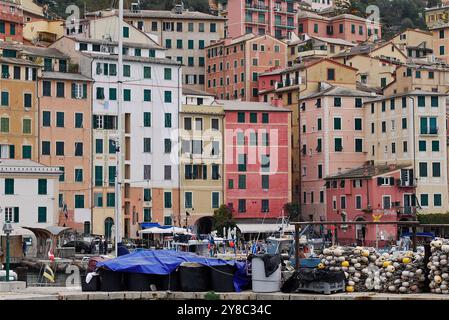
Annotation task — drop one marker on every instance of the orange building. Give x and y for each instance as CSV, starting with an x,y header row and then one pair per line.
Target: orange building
x,y
233,65
65,141
11,21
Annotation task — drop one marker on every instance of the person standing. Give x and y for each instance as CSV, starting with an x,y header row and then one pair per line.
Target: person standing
x,y
105,246
24,248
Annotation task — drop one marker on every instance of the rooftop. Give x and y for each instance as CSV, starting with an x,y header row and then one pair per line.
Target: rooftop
x,y
236,105
18,61
149,45
64,76
367,171
214,109
33,50
193,92
338,91
25,166
406,94
133,59
159,14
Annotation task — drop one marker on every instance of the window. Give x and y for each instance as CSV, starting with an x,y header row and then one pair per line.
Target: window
x,y
26,152
167,73
358,145
27,100
265,117
147,145
434,101
79,201
337,102
167,145
127,94
242,181
179,44
436,169
100,93
147,119
358,124
337,123
45,148
98,200
78,175
4,125
435,146
146,194
26,126
147,95
242,205
215,200
125,32
42,214
188,200
167,96
167,172
110,199
424,200
253,117
167,200
60,89
422,145
338,144
265,182
331,74
78,149
358,202
147,72
437,200
98,172
215,125
112,148
5,99
241,117
59,148
147,172
167,122
423,169
9,186
358,102
46,88
42,187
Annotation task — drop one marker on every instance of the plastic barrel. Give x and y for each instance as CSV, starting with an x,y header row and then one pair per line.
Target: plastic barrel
x,y
222,278
261,283
111,280
168,282
138,281
194,278
93,285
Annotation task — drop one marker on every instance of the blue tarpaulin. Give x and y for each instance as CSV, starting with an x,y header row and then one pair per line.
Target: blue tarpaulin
x,y
164,262
147,225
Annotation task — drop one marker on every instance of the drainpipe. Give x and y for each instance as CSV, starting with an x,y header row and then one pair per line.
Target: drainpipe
x,y
179,151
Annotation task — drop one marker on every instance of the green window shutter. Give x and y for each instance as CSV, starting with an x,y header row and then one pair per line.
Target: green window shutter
x,y
253,117
16,215
112,170
5,99
241,117
99,146
9,186
147,95
42,186
167,200
12,150
112,94
62,175
215,200
4,123
125,32
436,146
127,95
188,200
168,120
421,101
265,182
110,200
126,70
147,119
147,72
98,176
167,73
26,152
78,120
27,126
265,118
242,182
167,96
42,215
190,44
79,201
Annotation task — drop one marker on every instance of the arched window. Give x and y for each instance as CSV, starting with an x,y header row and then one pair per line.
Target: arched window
x,y
108,223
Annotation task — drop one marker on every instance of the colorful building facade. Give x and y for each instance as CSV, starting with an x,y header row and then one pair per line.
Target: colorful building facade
x,y
11,21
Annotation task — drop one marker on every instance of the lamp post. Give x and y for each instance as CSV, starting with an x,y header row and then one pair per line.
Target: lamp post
x,y
7,229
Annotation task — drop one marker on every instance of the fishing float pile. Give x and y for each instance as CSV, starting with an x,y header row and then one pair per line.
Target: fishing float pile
x,y
354,262
438,266
397,272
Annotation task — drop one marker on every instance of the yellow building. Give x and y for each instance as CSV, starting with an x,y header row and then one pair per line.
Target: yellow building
x,y
43,31
201,161
414,43
19,109
372,72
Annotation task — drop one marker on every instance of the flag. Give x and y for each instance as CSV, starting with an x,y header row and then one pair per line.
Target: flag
x,y
51,256
48,273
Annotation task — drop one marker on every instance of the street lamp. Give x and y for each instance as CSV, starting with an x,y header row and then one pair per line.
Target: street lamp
x,y
7,229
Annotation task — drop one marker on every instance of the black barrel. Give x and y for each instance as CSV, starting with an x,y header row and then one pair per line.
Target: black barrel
x,y
222,278
194,278
111,280
93,285
168,282
138,281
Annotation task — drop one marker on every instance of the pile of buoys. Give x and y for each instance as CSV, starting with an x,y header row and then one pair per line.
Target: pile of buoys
x,y
438,266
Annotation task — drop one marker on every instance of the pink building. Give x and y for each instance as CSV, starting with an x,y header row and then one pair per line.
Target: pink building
x,y
331,125
233,65
274,17
345,26
11,21
267,85
362,193
257,144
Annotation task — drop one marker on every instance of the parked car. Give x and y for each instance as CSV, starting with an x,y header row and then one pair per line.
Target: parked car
x,y
80,246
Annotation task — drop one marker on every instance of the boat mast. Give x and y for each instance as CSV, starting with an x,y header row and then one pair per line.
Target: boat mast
x,y
119,140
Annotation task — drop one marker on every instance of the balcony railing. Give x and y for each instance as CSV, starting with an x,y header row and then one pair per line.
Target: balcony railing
x,y
406,183
256,7
281,24
407,211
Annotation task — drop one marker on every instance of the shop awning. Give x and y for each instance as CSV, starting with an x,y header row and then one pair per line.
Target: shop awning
x,y
264,228
147,225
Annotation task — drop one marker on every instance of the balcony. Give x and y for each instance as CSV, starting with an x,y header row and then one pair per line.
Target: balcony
x,y
406,183
256,7
284,10
280,24
407,211
260,22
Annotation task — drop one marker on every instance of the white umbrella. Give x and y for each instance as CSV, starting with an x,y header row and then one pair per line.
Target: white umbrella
x,y
157,230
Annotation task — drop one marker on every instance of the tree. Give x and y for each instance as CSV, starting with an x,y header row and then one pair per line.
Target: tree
x,y
349,7
292,209
223,219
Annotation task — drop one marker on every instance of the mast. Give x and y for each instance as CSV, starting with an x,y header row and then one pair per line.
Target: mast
x,y
119,140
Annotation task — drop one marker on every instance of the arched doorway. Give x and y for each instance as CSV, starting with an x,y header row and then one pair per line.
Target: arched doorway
x,y
108,223
360,231
204,225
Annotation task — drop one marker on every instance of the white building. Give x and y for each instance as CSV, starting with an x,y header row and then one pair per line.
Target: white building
x,y
152,99
28,194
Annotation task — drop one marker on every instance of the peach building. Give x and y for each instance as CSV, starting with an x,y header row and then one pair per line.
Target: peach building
x,y
345,26
65,142
332,140
233,65
11,21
